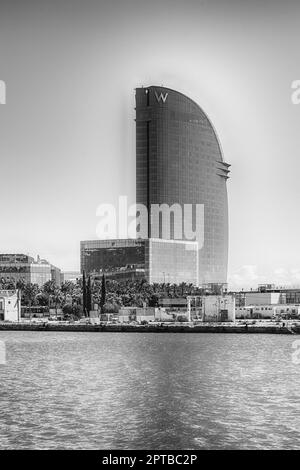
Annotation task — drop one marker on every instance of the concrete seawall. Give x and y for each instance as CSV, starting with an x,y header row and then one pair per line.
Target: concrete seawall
x,y
119,328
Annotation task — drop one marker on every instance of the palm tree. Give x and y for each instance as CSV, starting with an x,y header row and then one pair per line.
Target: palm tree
x,y
67,288
29,293
58,298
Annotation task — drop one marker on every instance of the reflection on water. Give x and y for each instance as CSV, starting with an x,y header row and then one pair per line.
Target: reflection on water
x,y
148,391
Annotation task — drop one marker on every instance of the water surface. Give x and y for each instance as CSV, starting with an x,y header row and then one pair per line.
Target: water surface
x,y
148,391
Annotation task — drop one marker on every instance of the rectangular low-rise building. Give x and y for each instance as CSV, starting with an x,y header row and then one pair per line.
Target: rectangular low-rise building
x,y
267,311
153,259
10,305
138,314
211,308
254,311
263,298
287,310
218,308
19,268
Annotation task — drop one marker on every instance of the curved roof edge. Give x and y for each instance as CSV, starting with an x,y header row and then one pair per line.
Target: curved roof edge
x,y
196,104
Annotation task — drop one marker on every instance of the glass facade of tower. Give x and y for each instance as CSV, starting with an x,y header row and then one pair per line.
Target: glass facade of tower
x,y
179,161
172,261
120,259
156,260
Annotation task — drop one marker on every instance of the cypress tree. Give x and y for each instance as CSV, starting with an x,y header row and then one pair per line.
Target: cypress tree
x,y
89,296
84,292
103,293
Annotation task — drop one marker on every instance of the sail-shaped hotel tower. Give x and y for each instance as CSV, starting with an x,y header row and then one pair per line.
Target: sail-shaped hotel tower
x,y
179,161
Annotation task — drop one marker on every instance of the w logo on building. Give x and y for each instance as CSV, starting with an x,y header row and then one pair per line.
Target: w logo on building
x,y
161,97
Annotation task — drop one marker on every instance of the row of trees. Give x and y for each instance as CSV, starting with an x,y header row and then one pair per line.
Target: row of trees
x,y
109,295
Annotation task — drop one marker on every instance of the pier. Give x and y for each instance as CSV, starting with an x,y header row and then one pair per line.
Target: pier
x,y
157,328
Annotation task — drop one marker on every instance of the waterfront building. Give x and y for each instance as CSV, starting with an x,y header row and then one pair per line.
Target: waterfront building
x,y
218,308
10,305
146,314
156,260
173,303
23,268
37,311
268,311
211,308
138,314
263,298
179,161
289,295
292,295
287,311
169,314
254,312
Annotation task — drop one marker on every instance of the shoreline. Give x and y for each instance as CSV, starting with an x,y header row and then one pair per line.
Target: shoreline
x,y
121,328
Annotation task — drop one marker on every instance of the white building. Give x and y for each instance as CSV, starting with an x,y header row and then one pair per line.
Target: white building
x,y
286,310
211,308
10,305
166,315
267,311
262,298
218,308
138,314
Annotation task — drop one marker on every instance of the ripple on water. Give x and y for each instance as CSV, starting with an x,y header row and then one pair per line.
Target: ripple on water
x,y
143,391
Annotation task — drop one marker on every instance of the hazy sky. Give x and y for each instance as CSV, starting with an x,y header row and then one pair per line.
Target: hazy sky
x,y
67,133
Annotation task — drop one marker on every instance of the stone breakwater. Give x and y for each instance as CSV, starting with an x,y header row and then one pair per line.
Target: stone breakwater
x,y
121,328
